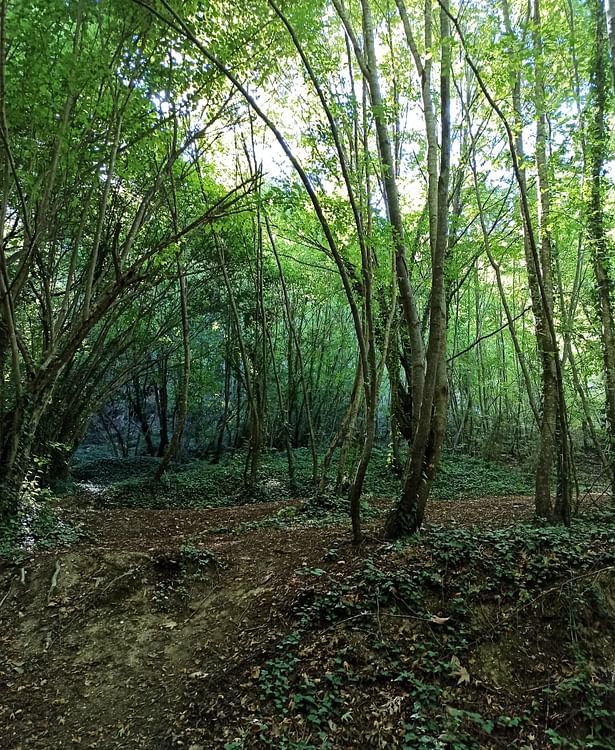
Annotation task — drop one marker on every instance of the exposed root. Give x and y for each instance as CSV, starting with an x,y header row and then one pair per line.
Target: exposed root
x,y
54,580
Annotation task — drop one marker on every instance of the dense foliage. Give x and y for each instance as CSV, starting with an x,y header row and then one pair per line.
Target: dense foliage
x,y
334,226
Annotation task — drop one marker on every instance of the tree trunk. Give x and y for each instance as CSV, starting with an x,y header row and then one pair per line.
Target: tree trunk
x,y
219,438
610,10
162,402
182,401
18,441
600,245
138,402
432,406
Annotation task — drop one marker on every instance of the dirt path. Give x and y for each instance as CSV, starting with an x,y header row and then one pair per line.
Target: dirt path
x,y
99,641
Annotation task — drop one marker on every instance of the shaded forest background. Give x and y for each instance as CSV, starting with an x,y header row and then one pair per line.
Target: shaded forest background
x,y
323,226
274,268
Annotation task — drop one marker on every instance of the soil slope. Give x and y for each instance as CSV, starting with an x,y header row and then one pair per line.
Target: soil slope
x,y
106,644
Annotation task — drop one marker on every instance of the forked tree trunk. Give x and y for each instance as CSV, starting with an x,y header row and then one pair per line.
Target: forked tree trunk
x,y
554,435
431,407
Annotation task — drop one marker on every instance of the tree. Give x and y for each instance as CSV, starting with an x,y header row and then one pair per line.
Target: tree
x,y
111,151
600,245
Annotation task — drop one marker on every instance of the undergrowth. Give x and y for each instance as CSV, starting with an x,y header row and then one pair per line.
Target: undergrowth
x,y
199,484
458,639
38,526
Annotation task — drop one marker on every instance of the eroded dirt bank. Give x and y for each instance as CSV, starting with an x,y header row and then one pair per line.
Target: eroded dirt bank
x,y
101,641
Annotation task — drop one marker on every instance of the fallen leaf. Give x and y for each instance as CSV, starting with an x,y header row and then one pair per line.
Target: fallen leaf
x,y
459,671
439,620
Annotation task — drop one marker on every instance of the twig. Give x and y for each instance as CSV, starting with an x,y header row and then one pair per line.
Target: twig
x,y
559,586
129,572
410,617
365,613
200,604
4,598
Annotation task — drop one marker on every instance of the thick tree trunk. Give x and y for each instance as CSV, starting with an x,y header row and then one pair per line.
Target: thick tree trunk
x,y
554,437
549,438
359,475
17,444
610,10
138,402
57,439
349,438
431,407
554,432
409,514
599,242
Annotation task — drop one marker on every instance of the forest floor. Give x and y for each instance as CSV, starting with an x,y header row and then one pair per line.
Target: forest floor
x,y
262,626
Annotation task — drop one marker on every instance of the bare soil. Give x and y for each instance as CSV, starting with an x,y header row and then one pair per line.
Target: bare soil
x,y
99,641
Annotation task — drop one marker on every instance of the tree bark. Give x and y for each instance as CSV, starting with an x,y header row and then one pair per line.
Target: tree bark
x,y
600,245
433,402
182,400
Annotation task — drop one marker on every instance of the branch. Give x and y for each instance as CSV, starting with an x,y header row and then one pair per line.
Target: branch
x,y
489,335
